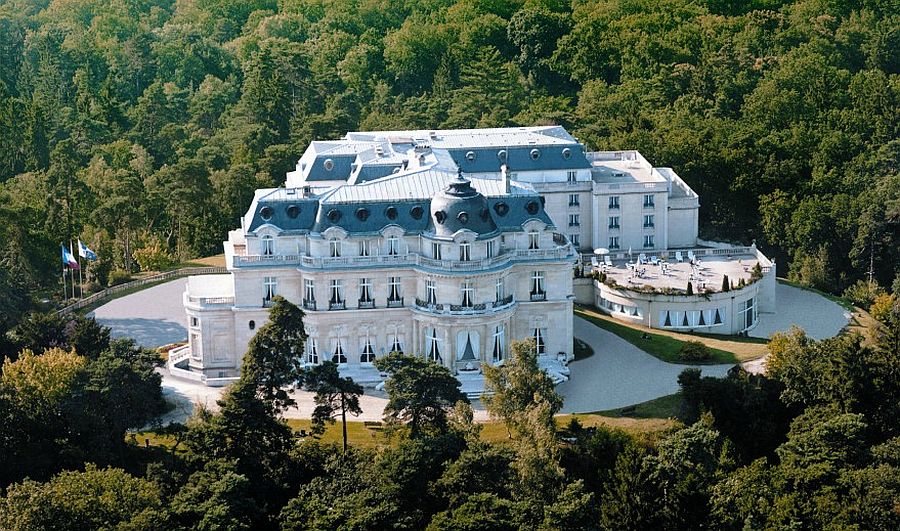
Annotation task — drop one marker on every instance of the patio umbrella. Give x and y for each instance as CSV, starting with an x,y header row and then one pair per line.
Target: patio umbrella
x,y
600,251
629,251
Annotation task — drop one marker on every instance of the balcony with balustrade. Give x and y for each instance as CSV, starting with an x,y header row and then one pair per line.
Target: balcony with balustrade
x,y
461,310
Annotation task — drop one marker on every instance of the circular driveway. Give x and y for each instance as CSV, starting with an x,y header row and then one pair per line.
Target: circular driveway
x,y
617,375
152,317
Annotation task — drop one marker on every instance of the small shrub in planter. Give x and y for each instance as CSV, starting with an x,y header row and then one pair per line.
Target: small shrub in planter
x,y
690,289
694,351
118,276
726,286
91,287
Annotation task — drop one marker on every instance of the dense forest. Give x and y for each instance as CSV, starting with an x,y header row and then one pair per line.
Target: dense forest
x,y
143,126
814,445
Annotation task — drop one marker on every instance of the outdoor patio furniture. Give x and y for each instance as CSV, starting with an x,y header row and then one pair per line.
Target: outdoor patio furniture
x,y
594,263
678,256
607,261
691,256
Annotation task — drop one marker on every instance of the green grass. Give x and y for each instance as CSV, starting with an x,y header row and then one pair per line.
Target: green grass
x,y
660,346
664,407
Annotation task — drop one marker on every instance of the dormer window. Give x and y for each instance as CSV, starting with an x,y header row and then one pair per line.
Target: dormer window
x,y
533,239
393,244
334,248
268,245
489,249
436,250
364,249
465,251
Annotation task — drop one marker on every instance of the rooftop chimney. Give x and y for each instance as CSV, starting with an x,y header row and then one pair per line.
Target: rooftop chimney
x,y
504,175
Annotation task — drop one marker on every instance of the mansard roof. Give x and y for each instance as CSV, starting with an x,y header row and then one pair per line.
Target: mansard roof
x,y
406,200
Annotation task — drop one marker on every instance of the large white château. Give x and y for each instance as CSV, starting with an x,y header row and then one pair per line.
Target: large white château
x,y
447,244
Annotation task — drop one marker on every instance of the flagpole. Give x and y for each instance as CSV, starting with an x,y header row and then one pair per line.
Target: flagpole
x,y
72,270
80,281
65,290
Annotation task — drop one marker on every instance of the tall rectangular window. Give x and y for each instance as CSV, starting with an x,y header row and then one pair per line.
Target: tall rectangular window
x,y
365,290
269,288
310,290
368,351
533,239
396,343
574,220
539,335
500,290
613,242
571,176
614,222
312,351
537,285
337,291
573,199
648,220
394,289
393,245
648,200
575,240
433,345
436,251
430,292
365,248
648,240
465,251
497,351
468,294
613,201
334,248
489,249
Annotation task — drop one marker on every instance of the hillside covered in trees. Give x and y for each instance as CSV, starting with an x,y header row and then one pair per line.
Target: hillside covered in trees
x,y
144,125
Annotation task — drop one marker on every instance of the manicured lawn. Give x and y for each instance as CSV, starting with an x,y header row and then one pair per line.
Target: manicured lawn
x,y
360,435
662,346
664,407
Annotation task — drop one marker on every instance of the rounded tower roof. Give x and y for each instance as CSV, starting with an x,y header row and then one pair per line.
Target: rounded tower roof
x,y
460,206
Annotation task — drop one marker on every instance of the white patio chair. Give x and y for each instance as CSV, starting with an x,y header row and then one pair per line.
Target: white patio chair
x,y
678,256
691,256
607,261
594,263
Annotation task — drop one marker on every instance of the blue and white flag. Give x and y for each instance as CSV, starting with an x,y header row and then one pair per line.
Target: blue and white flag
x,y
68,259
85,252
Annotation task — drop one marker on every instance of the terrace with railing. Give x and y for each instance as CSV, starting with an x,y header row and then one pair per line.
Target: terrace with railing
x,y
459,309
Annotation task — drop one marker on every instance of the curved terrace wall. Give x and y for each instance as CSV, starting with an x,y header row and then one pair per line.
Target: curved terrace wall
x,y
713,312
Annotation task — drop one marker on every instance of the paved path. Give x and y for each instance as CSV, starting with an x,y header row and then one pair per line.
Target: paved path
x,y
818,316
617,375
153,317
